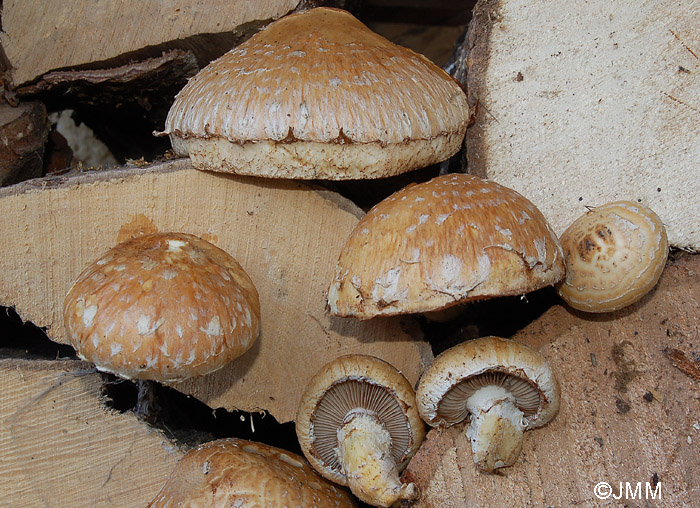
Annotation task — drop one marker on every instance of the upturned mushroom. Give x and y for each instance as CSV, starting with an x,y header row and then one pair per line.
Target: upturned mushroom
x,y
500,386
317,94
358,426
453,239
614,255
233,472
163,307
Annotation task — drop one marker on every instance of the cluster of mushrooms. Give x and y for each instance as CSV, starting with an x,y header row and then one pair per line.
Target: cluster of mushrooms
x,y
429,248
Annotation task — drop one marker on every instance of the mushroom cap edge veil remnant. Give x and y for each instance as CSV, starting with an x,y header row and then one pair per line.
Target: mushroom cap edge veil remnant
x,y
503,388
435,244
355,387
477,357
163,306
317,94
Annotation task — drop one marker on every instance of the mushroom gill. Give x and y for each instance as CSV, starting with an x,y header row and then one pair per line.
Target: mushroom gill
x,y
347,396
453,408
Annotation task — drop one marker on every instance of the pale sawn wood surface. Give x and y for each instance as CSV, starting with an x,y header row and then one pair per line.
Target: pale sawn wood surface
x,y
629,412
57,34
60,447
584,103
285,234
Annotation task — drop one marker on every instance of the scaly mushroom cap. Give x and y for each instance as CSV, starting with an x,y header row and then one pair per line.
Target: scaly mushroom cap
x,y
345,385
165,307
317,94
457,373
452,239
614,255
233,472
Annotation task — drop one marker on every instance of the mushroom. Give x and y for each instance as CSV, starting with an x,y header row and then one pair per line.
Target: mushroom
x,y
450,240
502,386
233,472
317,94
358,426
614,255
163,307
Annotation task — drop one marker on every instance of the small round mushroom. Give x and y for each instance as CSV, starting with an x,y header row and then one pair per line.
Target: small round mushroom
x,y
358,426
614,255
164,307
502,386
453,239
317,94
243,474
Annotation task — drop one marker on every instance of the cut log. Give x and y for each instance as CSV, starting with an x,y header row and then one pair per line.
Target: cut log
x,y
119,64
67,34
60,447
584,103
24,130
629,411
285,234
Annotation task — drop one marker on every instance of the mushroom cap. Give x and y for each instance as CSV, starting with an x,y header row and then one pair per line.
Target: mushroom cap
x,y
614,255
353,382
233,472
432,245
317,94
165,306
461,370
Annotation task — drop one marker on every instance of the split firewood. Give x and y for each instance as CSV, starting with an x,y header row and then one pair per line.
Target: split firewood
x,y
59,446
120,65
587,103
62,35
24,130
286,235
629,411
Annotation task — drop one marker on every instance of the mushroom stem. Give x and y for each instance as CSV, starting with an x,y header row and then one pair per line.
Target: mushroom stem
x,y
496,428
146,401
444,315
364,447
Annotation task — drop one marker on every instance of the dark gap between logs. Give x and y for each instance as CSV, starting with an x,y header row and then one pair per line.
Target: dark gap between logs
x,y
188,421
184,419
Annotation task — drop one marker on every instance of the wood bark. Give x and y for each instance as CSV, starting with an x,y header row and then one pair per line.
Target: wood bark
x,y
60,447
285,234
584,103
68,34
118,65
629,413
24,130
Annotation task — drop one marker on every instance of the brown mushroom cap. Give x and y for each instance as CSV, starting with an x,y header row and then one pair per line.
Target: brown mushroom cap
x,y
347,384
460,371
233,472
317,94
452,239
165,307
614,255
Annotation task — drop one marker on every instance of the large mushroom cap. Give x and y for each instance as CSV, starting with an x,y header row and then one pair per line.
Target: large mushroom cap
x,y
344,386
317,94
452,239
233,472
614,255
457,373
165,307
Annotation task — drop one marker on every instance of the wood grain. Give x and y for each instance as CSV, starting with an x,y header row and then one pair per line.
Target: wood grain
x,y
286,235
68,33
628,414
584,103
60,447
